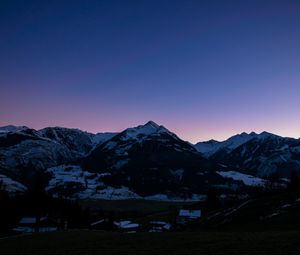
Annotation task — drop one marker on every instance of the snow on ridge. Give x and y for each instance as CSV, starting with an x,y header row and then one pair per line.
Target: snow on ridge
x,y
137,135
248,180
210,147
101,138
207,148
12,128
164,197
235,141
150,128
133,133
10,185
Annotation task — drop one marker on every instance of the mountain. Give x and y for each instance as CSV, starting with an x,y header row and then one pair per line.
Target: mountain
x,y
264,157
77,141
210,147
260,155
150,159
11,128
147,161
25,152
100,138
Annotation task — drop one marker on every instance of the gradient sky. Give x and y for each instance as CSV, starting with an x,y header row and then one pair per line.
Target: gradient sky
x,y
203,69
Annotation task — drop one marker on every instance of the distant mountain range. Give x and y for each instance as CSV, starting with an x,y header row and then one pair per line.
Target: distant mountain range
x,y
147,161
257,154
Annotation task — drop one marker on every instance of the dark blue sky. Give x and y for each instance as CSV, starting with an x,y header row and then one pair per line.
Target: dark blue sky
x,y
204,69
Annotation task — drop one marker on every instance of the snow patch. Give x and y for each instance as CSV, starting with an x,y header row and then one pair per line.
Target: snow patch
x,y
88,185
164,197
126,224
248,180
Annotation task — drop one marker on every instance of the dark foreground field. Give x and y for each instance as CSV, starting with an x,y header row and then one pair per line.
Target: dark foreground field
x,y
94,242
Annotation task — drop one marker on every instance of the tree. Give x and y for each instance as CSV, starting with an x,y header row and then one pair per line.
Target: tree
x,y
294,181
2,186
213,201
272,181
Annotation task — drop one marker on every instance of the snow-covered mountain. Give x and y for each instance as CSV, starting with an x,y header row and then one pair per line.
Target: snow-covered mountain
x,y
11,128
139,162
100,138
25,151
211,147
258,154
150,159
76,140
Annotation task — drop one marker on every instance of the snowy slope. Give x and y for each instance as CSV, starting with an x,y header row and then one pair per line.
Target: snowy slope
x,y
248,180
28,148
25,151
10,185
144,161
75,140
211,147
121,145
131,136
150,159
263,156
72,181
208,148
11,128
100,138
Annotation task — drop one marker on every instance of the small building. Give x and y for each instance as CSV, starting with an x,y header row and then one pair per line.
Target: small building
x,y
159,226
186,216
127,226
36,224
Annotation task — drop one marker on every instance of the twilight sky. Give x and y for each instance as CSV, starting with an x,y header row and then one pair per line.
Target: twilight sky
x,y
204,69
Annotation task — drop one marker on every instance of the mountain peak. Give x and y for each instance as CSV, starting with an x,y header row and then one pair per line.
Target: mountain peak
x,y
265,134
12,128
142,132
152,124
211,141
253,133
147,129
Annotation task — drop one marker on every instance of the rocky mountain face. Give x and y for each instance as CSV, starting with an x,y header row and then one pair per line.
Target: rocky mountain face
x,y
147,161
151,159
256,154
211,147
25,152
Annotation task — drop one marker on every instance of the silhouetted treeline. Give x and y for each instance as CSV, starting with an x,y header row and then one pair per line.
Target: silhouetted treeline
x,y
37,203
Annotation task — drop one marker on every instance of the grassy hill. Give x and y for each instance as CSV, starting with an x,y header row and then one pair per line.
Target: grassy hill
x,y
95,242
263,225
276,212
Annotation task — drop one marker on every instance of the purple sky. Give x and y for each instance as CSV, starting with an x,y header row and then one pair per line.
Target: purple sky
x,y
203,69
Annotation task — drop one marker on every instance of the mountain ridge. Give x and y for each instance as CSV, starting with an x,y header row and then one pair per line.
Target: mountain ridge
x,y
146,160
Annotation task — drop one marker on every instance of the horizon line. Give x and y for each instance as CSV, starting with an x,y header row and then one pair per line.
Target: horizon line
x,y
198,141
